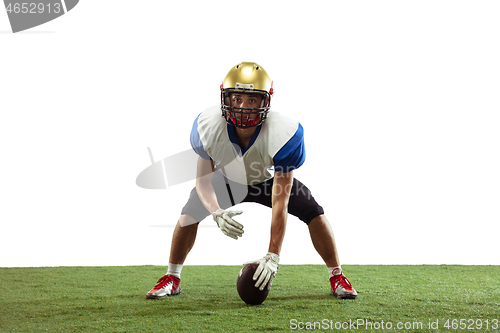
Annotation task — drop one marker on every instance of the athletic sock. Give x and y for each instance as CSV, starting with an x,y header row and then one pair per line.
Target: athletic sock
x,y
174,270
334,270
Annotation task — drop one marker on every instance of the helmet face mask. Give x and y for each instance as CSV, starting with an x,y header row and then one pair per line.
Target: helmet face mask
x,y
250,79
244,117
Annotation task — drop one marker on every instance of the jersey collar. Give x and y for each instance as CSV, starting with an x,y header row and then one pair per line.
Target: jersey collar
x,y
232,137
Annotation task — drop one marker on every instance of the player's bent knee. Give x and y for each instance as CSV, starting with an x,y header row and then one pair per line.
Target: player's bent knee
x,y
186,220
318,219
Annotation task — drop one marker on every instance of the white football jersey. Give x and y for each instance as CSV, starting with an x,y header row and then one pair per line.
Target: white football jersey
x,y
277,145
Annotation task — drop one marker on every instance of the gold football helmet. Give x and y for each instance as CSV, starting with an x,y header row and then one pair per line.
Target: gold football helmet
x,y
247,78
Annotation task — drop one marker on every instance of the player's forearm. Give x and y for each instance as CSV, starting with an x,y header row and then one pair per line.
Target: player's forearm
x,y
281,195
204,188
278,227
207,196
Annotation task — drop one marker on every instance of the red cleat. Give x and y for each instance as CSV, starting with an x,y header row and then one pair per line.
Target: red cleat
x,y
342,288
168,285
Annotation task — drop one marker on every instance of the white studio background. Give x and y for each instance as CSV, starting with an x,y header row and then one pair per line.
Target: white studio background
x,y
399,101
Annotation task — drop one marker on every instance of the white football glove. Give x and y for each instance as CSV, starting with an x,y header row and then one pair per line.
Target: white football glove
x,y
225,222
265,273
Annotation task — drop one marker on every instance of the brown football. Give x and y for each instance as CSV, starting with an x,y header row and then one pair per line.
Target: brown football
x,y
246,286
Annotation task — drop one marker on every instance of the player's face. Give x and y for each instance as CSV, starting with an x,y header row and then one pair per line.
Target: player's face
x,y
245,101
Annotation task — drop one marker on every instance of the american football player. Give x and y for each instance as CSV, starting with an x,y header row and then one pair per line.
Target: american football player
x,y
248,154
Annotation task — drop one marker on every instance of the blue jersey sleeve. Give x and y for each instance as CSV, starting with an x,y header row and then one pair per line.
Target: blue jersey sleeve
x,y
196,141
293,154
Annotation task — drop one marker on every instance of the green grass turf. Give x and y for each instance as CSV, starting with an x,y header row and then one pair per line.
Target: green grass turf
x,y
112,299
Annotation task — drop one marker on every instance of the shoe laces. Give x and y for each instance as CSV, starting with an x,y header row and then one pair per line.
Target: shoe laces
x,y
341,280
165,279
